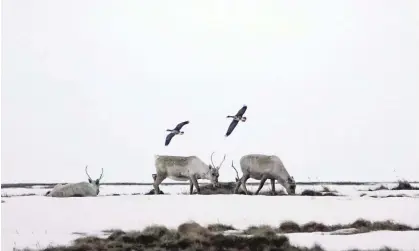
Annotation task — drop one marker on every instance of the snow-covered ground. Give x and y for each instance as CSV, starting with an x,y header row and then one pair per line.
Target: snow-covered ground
x,y
106,190
38,221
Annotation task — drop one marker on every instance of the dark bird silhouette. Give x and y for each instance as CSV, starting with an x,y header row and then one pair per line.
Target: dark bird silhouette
x,y
236,118
174,132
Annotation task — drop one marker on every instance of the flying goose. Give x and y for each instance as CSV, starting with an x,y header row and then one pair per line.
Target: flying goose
x,y
174,132
236,118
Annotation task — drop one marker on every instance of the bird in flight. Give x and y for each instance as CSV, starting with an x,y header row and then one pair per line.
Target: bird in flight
x,y
174,132
236,118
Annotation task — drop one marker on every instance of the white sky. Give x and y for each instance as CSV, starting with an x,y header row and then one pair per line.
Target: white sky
x,y
332,87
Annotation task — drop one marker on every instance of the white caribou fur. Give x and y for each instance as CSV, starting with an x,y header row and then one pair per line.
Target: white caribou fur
x,y
183,168
260,166
81,189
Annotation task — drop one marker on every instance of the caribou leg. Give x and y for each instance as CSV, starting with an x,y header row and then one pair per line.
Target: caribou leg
x,y
190,186
273,185
159,179
238,183
262,182
244,179
195,183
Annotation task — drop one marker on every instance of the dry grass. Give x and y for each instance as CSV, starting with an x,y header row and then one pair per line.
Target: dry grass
x,y
228,188
151,192
360,225
381,187
404,185
221,188
401,185
309,192
188,236
192,236
218,227
17,195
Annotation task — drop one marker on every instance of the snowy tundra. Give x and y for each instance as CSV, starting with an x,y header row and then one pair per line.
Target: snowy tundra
x,y
51,222
184,168
80,189
262,167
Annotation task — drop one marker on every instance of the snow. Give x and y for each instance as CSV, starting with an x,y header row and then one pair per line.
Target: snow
x,y
38,221
349,190
408,240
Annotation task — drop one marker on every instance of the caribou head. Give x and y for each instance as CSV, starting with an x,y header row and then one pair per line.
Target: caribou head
x,y
96,182
214,170
290,185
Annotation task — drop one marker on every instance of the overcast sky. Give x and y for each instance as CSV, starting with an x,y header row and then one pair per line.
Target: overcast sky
x,y
332,87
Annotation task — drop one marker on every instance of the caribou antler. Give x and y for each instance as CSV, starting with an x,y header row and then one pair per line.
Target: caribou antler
x,y
237,173
85,169
211,159
220,163
101,175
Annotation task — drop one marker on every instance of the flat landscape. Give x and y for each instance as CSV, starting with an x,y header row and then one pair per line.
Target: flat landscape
x,y
339,217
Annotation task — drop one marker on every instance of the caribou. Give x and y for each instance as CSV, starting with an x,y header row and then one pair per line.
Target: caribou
x,y
184,168
262,167
80,189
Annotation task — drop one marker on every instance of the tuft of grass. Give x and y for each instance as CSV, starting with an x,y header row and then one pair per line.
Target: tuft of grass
x,y
218,227
326,189
110,231
17,195
381,187
361,225
262,230
289,227
404,185
192,236
188,236
151,192
193,231
315,227
116,235
390,196
309,192
222,188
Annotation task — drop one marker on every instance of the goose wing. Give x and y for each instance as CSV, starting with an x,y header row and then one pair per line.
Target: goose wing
x,y
180,125
169,138
242,111
233,125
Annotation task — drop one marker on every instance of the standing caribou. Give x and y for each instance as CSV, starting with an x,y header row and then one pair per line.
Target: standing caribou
x,y
80,189
262,167
182,168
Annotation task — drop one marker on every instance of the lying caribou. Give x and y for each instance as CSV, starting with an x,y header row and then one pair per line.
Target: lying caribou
x,y
262,167
183,168
80,189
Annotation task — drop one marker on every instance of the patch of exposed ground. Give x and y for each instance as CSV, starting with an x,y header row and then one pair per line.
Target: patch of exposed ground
x,y
309,192
404,185
17,195
392,196
356,227
401,185
51,185
228,188
191,236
